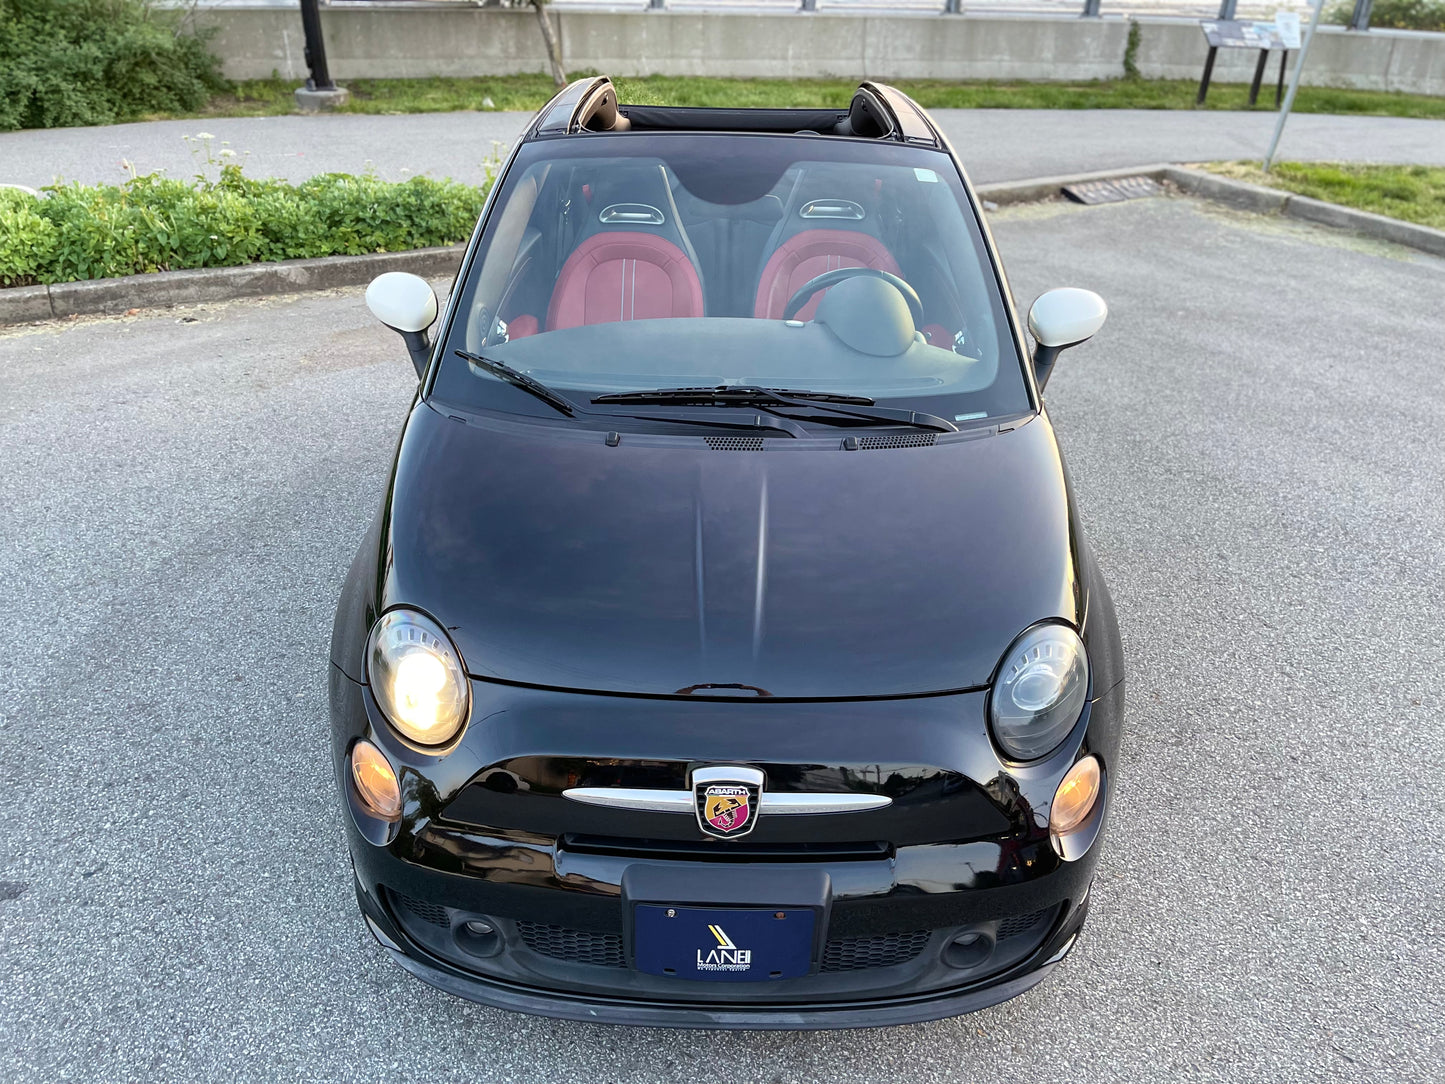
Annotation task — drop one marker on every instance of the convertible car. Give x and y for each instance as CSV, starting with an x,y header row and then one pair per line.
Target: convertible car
x,y
725,650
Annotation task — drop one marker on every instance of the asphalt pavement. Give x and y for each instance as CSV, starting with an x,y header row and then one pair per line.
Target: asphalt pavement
x,y
995,144
1257,439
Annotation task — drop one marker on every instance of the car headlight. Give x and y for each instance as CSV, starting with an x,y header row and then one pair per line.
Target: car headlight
x,y
417,677
1040,690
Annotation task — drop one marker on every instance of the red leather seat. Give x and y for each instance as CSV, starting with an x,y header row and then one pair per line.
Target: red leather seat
x,y
624,275
807,255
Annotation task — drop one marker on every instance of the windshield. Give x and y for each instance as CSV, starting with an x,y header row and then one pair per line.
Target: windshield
x,y
631,263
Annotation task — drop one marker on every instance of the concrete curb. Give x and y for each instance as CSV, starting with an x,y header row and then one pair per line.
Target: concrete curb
x,y
166,288
1035,189
30,303
1248,197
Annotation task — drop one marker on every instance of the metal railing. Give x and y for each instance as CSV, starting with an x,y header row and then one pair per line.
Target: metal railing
x,y
1196,9
1206,9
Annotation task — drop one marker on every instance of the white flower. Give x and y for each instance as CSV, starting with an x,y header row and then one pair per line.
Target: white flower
x,y
204,135
227,154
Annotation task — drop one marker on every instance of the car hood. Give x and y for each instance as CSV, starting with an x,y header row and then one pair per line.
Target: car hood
x,y
663,565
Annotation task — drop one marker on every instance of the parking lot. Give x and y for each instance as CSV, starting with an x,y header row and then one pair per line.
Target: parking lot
x,y
1257,440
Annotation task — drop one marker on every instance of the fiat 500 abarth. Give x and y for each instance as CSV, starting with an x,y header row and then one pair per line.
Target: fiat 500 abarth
x,y
726,651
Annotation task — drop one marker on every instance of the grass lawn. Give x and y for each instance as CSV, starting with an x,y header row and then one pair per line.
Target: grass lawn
x,y
268,97
1412,193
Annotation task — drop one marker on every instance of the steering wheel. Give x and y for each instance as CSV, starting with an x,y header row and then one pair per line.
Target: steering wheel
x,y
832,278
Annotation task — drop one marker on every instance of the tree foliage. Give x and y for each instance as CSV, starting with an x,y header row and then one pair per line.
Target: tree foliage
x,y
70,62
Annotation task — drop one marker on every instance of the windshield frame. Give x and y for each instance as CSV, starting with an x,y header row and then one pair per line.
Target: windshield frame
x,y
532,149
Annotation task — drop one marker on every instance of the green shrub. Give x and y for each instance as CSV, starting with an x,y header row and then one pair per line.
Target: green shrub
x,y
69,62
27,238
1394,14
154,223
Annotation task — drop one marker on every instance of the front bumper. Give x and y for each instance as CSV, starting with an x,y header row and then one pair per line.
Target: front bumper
x,y
485,838
759,1013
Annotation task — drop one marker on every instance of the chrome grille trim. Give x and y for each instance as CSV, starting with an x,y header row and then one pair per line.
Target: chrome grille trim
x,y
770,803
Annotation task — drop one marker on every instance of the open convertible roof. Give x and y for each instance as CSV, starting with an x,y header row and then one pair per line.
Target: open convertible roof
x,y
876,112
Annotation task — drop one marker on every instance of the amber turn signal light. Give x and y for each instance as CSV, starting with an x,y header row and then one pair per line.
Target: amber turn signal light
x,y
1075,798
375,780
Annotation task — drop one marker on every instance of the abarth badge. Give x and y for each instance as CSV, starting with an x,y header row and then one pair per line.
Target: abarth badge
x,y
727,800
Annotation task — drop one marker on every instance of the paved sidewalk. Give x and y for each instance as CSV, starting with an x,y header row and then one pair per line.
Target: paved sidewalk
x,y
996,144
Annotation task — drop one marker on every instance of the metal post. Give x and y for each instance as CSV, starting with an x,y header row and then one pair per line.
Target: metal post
x,y
657,5
1360,17
1299,67
1226,9
320,92
953,7
1091,9
810,5
1258,77
315,47
1208,74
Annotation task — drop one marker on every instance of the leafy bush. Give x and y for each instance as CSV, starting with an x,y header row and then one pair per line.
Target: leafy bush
x,y
153,223
69,62
1394,14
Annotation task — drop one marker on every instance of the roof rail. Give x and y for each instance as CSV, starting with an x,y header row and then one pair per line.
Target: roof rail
x,y
587,105
877,111
883,112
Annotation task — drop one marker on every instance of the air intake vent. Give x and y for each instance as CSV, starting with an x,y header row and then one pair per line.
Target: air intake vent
x,y
735,444
1012,927
860,953
427,912
898,440
574,946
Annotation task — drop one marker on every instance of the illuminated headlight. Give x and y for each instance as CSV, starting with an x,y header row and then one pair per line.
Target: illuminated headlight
x,y
417,677
1042,683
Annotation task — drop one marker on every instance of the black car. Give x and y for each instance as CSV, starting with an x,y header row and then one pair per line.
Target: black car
x,y
726,651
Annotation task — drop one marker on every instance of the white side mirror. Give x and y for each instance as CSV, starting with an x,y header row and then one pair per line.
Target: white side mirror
x,y
1060,319
406,304
402,302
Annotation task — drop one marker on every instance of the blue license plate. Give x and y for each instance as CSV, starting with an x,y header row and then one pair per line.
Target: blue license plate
x,y
723,944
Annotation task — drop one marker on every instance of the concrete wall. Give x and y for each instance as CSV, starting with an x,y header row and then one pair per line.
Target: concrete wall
x,y
415,39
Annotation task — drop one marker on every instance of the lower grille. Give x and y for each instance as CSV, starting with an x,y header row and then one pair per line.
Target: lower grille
x,y
859,953
1011,927
573,946
433,913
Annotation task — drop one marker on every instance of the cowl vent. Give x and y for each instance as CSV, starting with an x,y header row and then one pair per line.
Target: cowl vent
x,y
898,440
735,444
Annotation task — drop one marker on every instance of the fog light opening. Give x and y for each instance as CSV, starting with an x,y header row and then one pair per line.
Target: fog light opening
x,y
375,781
1075,798
478,936
969,950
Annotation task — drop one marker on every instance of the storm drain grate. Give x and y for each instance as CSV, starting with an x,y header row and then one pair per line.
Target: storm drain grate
x,y
574,946
1115,191
886,950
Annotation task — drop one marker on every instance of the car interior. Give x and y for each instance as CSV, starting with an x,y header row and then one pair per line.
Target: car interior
x,y
624,239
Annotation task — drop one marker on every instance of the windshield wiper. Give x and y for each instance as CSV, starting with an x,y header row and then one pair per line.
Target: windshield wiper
x,y
519,379
745,394
766,398
560,402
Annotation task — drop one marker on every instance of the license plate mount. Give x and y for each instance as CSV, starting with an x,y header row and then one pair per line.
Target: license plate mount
x,y
724,944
